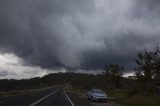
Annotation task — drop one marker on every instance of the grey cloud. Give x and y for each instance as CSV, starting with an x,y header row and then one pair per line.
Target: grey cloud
x,y
26,30
3,73
78,33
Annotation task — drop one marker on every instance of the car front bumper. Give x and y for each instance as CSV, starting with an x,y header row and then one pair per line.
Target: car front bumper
x,y
100,99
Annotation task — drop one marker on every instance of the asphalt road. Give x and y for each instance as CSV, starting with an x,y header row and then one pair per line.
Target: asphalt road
x,y
54,96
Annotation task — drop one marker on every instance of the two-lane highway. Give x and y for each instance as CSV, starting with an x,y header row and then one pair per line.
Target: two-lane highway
x,y
54,96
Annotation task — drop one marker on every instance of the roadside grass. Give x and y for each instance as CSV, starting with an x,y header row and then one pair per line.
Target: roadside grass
x,y
75,90
139,101
21,92
116,94
120,96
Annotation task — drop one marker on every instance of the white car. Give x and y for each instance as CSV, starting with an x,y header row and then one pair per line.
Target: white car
x,y
97,95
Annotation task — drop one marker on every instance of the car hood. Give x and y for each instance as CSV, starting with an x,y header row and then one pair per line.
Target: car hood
x,y
99,94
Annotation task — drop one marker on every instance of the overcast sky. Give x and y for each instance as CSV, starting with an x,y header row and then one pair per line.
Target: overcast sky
x,y
42,36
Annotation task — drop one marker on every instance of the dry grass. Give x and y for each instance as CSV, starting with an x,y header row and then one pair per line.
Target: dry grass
x,y
139,101
121,97
21,92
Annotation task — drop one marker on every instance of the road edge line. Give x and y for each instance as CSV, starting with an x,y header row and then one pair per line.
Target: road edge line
x,y
68,98
43,98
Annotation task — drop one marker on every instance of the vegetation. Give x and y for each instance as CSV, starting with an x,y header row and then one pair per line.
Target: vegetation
x,y
78,80
138,100
114,74
148,71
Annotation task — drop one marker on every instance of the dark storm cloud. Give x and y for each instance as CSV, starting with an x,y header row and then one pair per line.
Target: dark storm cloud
x,y
26,30
78,33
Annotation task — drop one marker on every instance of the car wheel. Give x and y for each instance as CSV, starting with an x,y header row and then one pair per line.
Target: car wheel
x,y
88,97
92,99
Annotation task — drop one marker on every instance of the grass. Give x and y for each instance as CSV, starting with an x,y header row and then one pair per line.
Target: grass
x,y
21,92
115,94
120,96
75,90
139,101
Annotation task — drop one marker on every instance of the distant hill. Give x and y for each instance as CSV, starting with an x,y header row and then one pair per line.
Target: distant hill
x,y
75,79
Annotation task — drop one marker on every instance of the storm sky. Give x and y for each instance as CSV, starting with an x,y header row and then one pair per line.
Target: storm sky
x,y
42,36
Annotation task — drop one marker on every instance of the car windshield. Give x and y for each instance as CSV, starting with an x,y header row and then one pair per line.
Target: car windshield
x,y
97,91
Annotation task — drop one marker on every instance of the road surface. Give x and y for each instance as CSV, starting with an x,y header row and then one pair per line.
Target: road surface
x,y
54,96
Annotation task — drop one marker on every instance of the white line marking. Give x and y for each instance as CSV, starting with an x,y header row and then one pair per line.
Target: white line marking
x,y
38,101
69,99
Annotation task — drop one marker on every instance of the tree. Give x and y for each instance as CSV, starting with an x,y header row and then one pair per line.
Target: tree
x,y
149,64
145,62
114,73
156,65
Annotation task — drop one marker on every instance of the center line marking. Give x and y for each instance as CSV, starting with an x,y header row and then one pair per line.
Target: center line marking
x,y
38,101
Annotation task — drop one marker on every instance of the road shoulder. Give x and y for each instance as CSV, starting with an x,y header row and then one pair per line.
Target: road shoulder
x,y
79,99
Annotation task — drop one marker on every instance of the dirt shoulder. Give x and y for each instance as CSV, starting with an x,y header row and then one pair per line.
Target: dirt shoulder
x,y
79,99
117,97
